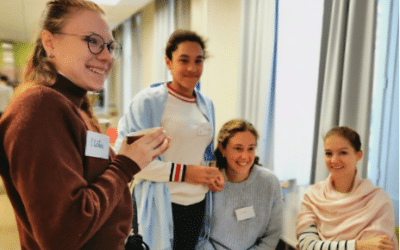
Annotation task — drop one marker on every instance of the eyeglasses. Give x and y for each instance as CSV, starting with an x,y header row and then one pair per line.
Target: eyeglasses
x,y
96,44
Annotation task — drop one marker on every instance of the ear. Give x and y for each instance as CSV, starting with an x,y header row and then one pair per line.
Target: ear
x,y
48,41
221,149
359,155
168,62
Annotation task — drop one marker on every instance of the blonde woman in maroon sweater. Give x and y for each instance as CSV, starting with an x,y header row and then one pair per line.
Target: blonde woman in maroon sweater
x,y
69,190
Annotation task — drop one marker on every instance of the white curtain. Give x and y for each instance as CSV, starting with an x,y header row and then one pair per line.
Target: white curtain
x,y
383,162
164,28
182,14
131,61
170,15
346,75
256,60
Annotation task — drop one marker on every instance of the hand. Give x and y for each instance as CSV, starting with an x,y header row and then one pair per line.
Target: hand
x,y
218,184
147,148
201,175
378,242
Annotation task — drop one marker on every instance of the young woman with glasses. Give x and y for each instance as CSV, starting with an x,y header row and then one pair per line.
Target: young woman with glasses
x,y
69,190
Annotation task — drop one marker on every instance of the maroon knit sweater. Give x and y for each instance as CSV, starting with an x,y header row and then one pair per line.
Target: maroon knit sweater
x,y
62,199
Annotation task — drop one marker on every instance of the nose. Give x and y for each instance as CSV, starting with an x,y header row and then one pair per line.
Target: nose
x,y
192,67
245,154
105,55
334,158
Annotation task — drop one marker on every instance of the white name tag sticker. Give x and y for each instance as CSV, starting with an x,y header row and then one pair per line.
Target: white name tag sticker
x,y
205,129
97,145
245,213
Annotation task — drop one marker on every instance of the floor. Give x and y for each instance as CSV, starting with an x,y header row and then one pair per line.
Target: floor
x,y
9,239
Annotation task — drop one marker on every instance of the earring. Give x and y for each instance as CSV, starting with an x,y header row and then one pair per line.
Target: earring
x,y
51,55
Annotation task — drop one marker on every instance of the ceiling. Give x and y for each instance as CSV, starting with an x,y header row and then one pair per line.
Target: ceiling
x,y
19,19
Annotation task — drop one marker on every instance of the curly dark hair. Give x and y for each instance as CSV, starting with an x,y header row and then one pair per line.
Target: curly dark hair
x,y
180,36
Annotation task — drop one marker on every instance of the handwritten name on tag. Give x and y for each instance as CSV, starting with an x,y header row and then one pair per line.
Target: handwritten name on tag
x,y
245,213
97,145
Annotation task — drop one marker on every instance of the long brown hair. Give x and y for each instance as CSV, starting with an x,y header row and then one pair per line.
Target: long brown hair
x,y
40,70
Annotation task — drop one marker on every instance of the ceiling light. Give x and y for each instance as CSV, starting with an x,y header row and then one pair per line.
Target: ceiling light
x,y
106,2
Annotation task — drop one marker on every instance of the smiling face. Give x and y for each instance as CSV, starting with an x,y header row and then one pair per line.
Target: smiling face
x,y
186,67
340,156
72,57
240,155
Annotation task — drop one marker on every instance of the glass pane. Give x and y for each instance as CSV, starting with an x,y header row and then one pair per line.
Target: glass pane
x,y
296,87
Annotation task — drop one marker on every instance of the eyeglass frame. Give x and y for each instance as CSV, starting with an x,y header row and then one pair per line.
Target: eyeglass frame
x,y
87,39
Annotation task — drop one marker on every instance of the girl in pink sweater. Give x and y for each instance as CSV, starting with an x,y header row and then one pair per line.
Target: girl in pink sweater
x,y
345,211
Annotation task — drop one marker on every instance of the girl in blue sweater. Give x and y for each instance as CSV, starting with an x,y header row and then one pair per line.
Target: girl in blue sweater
x,y
248,212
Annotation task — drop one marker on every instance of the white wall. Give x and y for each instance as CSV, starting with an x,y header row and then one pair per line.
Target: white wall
x,y
148,36
219,22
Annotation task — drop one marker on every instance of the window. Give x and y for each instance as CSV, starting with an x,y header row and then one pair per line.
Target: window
x,y
383,161
299,38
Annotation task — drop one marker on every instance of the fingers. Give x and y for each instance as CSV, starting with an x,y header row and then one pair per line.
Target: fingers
x,y
212,170
155,138
161,148
214,188
147,148
217,185
384,237
379,242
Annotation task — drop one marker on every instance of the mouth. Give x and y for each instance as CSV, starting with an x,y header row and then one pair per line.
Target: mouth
x,y
243,164
339,167
99,71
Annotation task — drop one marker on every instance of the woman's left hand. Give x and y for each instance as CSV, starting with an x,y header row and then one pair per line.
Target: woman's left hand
x,y
218,184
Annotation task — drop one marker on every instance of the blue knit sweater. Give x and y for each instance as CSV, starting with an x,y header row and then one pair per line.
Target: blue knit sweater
x,y
262,191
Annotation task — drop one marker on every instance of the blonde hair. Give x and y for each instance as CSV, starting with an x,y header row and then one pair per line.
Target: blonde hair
x,y
229,130
40,70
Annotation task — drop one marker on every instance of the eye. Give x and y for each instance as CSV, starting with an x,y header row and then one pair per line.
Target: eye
x,y
111,46
183,60
343,152
328,153
199,61
238,148
252,149
91,39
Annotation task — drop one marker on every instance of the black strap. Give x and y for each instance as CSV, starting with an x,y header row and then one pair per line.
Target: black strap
x,y
135,242
135,225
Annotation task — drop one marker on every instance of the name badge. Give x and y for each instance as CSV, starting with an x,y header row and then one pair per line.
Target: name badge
x,y
204,129
245,213
97,145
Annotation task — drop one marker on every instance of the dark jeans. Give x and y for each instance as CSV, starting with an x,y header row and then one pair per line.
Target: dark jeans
x,y
188,222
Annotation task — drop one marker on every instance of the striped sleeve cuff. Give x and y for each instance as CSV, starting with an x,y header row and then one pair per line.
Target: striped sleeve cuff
x,y
309,240
178,172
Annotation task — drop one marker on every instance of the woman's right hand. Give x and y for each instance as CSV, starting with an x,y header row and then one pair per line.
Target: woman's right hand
x,y
378,242
203,175
147,148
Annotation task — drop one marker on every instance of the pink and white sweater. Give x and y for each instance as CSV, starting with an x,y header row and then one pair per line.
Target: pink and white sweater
x,y
328,219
